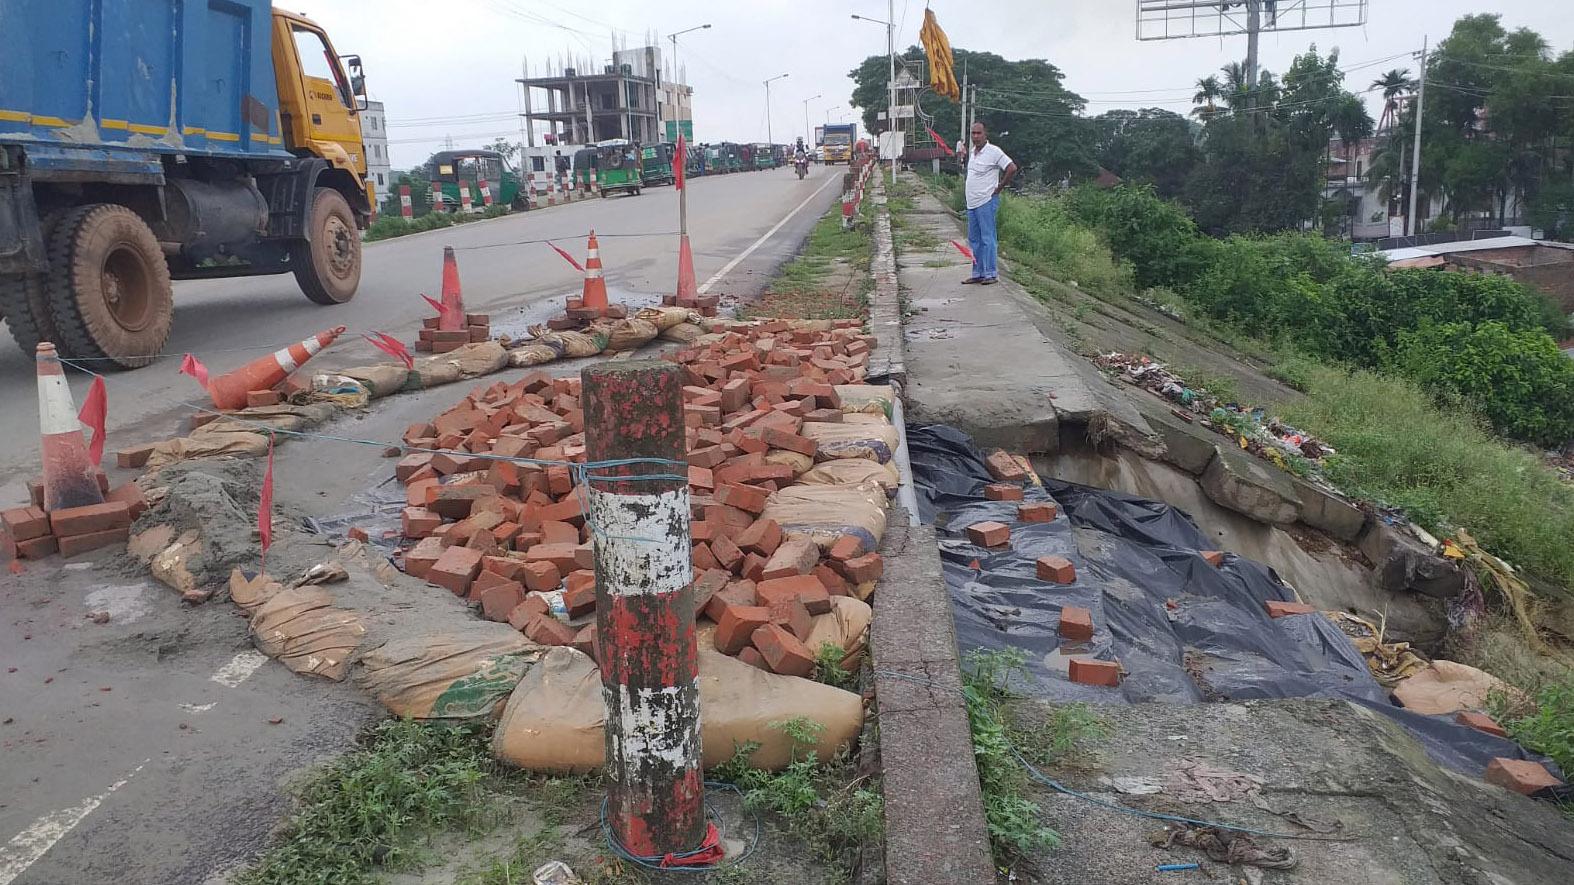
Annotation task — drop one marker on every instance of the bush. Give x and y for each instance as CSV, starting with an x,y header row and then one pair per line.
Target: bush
x,y
1519,381
1156,237
1550,729
1044,236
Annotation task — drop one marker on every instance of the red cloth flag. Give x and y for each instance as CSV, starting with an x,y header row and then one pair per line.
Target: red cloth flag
x,y
391,346
962,247
192,366
95,408
567,257
442,311
680,158
265,504
940,141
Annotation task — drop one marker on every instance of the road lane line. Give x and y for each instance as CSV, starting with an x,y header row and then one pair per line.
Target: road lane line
x,y
237,671
26,847
727,268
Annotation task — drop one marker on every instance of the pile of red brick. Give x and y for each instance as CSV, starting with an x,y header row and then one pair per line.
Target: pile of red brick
x,y
576,315
430,339
32,533
506,535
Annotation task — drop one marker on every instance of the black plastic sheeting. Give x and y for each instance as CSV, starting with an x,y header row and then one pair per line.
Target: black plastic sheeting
x,y
1183,631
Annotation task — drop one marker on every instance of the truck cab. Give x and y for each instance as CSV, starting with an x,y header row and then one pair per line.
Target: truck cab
x,y
235,152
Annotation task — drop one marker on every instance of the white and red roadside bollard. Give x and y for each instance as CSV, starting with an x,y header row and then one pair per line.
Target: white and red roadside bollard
x,y
406,207
595,186
486,193
437,196
645,606
464,198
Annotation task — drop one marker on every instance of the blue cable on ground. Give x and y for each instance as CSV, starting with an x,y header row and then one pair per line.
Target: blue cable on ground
x,y
654,863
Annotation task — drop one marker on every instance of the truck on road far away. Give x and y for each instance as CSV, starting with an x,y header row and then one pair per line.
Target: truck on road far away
x,y
143,141
838,146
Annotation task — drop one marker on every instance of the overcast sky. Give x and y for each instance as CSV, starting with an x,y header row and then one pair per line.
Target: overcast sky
x,y
448,68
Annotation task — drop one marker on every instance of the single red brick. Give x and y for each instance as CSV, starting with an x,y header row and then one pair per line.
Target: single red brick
x,y
416,491
1003,491
746,498
554,532
547,630
864,569
1038,511
500,601
1088,671
585,556
703,558
1279,609
541,576
734,395
705,586
794,615
38,548
71,545
418,560
1215,558
455,569
797,555
25,523
560,555
752,567
418,522
89,518
571,510
456,501
1076,624
585,641
762,536
735,628
727,554
722,515
262,398
1520,775
356,533
486,580
806,587
835,584
753,658
1480,722
846,547
1006,467
989,534
580,598
709,457
1056,570
783,652
507,566
792,442
702,478
134,456
526,611
734,593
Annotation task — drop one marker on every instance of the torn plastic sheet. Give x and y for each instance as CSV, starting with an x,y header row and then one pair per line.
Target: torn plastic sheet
x,y
1183,631
376,511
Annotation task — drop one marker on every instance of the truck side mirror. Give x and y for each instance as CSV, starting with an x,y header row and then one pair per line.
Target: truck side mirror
x,y
357,80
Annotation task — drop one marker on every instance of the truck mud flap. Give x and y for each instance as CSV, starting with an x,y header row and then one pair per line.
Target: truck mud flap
x,y
21,239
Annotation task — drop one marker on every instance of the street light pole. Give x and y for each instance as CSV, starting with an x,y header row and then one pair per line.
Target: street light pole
x,y
768,105
687,292
674,38
808,134
890,113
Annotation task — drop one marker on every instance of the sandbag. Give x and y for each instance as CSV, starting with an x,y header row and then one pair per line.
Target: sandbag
x,y
380,381
251,593
575,344
631,333
208,445
664,318
826,512
801,325
533,355
461,672
875,442
432,372
799,462
853,471
682,332
864,418
1448,687
553,720
875,398
302,629
845,626
481,358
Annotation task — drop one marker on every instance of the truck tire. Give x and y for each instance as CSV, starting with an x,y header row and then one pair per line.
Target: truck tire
x,y
24,303
108,286
328,262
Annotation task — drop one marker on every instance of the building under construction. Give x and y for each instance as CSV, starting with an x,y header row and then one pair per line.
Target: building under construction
x,y
629,98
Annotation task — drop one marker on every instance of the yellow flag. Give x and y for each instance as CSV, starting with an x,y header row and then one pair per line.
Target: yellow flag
x,y
942,68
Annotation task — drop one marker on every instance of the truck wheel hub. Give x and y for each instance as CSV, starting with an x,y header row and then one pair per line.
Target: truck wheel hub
x,y
125,284
341,249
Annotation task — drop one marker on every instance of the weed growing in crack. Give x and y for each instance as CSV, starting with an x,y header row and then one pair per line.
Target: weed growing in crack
x,y
1014,825
829,670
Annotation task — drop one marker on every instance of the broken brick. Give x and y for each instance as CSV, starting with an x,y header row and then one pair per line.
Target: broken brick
x,y
1056,569
134,456
783,652
418,522
37,548
835,584
1520,775
499,601
560,555
735,593
1076,624
532,606
792,442
864,569
580,598
1278,608
1480,722
1038,511
1088,671
703,558
735,628
1003,491
726,552
554,532
547,630
418,560
456,501
805,587
256,399
989,534
794,615
585,641
455,569
846,547
797,555
753,658
1215,558
1006,467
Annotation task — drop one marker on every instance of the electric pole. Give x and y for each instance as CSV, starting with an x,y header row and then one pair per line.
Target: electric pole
x,y
1412,223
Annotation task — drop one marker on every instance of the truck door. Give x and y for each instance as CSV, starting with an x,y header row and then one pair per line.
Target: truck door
x,y
325,117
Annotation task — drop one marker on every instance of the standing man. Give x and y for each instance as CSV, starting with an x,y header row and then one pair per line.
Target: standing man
x,y
985,163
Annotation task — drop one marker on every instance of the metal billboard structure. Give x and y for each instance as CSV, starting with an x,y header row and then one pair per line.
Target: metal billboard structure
x,y
1180,19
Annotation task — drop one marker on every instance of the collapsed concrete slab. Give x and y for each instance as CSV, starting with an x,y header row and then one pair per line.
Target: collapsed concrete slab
x,y
1245,485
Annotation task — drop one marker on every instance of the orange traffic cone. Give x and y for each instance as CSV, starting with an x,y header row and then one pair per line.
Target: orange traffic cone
x,y
688,290
452,319
595,296
229,391
69,477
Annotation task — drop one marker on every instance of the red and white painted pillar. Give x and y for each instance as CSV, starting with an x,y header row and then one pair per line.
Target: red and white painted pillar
x,y
406,208
70,479
464,198
595,186
645,607
486,193
437,196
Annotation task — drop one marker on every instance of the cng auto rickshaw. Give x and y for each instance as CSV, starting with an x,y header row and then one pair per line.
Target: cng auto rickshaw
x,y
655,163
764,156
616,162
468,168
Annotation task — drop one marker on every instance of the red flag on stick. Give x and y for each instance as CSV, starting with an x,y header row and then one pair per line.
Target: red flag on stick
x,y
95,408
567,257
192,366
962,247
681,160
391,346
940,141
265,506
442,311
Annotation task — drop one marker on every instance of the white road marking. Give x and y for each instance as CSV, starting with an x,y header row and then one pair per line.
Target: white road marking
x,y
26,847
727,268
238,670
198,708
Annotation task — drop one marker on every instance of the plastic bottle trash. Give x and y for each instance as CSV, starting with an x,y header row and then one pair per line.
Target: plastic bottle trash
x,y
555,872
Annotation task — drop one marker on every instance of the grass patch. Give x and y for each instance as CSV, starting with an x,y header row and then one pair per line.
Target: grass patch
x,y
810,286
1014,825
390,226
832,811
827,243
1396,445
366,811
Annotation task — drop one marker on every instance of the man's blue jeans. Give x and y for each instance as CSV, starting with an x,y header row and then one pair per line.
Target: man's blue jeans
x,y
981,238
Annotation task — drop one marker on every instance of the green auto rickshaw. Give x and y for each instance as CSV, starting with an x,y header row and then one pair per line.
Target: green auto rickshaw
x,y
764,156
617,163
655,163
467,169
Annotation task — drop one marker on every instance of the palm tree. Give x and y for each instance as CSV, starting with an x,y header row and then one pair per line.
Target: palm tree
x,y
1394,84
1236,88
1208,91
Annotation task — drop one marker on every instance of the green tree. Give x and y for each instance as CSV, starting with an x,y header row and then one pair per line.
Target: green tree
x,y
1151,145
1209,91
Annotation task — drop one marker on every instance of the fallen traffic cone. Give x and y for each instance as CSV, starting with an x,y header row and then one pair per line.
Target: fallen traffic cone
x,y
69,476
688,290
229,390
452,316
595,297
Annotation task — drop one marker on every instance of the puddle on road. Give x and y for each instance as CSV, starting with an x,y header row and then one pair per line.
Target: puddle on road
x,y
516,323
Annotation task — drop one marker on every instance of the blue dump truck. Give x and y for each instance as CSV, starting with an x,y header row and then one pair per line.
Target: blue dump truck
x,y
148,140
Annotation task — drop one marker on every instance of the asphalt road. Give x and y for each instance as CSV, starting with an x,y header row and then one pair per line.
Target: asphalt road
x,y
143,750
